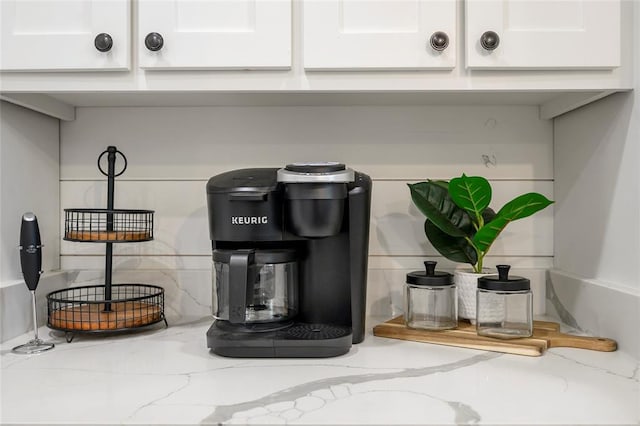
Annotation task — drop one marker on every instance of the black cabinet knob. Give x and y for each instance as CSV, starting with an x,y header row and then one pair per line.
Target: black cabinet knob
x,y
439,41
489,40
154,42
103,42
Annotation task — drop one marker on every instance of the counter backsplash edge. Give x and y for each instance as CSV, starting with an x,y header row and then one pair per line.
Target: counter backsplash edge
x,y
588,306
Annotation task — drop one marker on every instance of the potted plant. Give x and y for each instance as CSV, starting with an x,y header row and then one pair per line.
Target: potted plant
x,y
462,227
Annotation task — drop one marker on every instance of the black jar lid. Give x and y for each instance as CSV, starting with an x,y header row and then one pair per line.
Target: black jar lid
x,y
430,277
504,282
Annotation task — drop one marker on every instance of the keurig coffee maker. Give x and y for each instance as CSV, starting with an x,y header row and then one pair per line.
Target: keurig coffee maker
x,y
290,253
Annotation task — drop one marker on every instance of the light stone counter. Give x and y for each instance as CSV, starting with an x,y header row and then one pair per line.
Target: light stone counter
x,y
168,376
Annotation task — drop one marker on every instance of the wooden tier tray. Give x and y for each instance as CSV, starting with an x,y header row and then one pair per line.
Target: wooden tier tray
x,y
545,335
105,236
108,225
93,317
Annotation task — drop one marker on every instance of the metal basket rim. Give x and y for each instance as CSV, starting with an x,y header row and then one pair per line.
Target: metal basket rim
x,y
114,211
140,240
51,296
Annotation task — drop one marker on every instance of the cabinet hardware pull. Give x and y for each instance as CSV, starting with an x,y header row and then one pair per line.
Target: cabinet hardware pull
x,y
439,41
489,40
103,42
153,42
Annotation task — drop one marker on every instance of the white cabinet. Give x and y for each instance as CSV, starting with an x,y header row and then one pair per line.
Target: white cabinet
x,y
367,45
548,34
54,35
498,34
214,34
378,34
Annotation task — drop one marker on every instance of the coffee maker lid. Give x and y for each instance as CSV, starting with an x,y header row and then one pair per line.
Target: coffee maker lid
x,y
243,180
324,167
316,172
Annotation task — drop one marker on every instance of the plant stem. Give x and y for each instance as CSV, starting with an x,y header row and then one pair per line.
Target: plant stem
x,y
478,266
480,223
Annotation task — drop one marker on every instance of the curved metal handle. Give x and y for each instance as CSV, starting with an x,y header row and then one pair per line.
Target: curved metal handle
x,y
489,40
103,42
439,41
112,150
153,42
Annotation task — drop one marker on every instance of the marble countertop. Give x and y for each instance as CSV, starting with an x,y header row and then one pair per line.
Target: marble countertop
x,y
169,376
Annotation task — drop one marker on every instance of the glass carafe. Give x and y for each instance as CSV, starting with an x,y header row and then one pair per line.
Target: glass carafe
x,y
255,286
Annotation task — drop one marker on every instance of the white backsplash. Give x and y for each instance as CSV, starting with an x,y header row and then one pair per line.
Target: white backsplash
x,y
172,152
188,292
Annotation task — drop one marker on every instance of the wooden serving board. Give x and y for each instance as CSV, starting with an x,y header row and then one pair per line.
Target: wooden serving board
x,y
545,335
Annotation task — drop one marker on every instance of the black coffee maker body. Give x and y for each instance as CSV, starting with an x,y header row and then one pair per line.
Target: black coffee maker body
x,y
290,251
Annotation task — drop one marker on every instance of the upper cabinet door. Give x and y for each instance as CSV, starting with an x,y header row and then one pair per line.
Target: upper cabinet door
x,y
379,34
65,35
214,34
529,34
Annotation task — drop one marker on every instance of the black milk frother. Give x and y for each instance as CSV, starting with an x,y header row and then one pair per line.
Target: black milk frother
x,y
31,264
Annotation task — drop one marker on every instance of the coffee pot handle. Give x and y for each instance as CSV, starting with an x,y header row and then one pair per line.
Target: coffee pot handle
x,y
239,285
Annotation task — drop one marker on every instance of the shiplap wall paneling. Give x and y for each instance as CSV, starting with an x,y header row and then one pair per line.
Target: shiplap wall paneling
x,y
203,262
387,142
173,151
397,225
181,226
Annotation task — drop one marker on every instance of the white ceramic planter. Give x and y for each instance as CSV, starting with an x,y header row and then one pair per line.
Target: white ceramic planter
x,y
467,283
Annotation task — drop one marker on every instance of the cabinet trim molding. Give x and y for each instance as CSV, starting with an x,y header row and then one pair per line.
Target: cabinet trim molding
x,y
42,103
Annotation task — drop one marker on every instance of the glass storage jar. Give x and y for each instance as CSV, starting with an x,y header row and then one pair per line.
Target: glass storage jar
x,y
504,306
430,299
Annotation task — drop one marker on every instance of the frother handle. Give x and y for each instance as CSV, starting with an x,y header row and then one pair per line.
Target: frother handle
x,y
239,285
30,250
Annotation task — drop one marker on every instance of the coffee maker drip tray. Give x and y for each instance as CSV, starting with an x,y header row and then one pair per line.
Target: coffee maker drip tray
x,y
300,340
317,332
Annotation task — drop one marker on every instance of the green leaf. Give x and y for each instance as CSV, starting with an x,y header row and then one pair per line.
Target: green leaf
x,y
487,215
472,193
489,232
518,208
441,183
433,200
524,205
456,249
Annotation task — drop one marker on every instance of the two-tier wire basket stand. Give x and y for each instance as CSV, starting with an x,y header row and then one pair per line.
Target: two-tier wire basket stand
x,y
109,307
